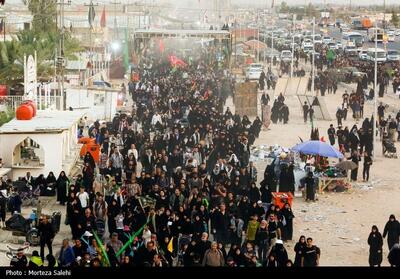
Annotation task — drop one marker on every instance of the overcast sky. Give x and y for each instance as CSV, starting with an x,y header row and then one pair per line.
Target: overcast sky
x,y
241,2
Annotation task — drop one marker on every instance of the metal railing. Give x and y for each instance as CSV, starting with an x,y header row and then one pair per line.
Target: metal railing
x,y
42,102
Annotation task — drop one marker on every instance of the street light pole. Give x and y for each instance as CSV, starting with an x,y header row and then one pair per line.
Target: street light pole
x,y
375,90
313,58
272,47
258,38
293,28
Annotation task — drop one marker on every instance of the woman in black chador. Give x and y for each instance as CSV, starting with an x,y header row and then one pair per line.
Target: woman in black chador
x,y
375,242
299,250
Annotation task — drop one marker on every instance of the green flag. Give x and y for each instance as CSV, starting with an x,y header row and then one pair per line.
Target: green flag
x,y
126,51
101,246
330,55
130,240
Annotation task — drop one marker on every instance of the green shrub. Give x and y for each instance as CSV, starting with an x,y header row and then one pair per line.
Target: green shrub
x,y
6,116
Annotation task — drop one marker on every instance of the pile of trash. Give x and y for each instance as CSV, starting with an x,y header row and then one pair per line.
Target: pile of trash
x,y
267,153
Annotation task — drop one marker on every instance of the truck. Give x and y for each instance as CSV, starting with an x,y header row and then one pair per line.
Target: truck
x,y
366,23
375,33
361,23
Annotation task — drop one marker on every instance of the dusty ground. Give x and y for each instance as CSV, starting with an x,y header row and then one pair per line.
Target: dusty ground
x,y
340,223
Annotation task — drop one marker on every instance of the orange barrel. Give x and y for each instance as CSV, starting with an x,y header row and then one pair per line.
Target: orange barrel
x,y
87,140
33,105
83,151
24,112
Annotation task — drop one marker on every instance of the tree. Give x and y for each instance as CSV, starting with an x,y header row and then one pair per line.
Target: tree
x,y
27,43
395,19
284,8
44,14
311,11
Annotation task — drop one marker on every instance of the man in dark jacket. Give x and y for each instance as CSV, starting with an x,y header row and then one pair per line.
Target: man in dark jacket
x,y
222,223
202,246
392,230
79,249
87,222
331,134
46,234
146,254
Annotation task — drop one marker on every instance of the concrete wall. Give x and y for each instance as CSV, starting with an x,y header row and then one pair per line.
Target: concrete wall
x,y
57,148
79,98
88,99
53,149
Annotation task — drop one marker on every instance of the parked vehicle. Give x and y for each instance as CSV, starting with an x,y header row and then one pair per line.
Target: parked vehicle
x,y
317,39
254,71
326,40
333,46
380,55
344,28
375,33
363,54
351,50
286,55
393,55
391,35
353,37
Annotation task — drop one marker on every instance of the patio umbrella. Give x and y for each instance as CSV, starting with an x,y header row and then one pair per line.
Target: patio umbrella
x,y
346,165
316,147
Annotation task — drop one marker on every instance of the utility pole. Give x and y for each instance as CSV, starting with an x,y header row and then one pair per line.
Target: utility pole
x,y
313,58
91,50
293,29
384,17
61,55
115,3
375,90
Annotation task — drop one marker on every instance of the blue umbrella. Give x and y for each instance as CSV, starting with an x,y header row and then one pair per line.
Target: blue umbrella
x,y
316,147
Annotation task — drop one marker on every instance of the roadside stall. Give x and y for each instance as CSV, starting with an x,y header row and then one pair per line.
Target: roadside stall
x,y
330,177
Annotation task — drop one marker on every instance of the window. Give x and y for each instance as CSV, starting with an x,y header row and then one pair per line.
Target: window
x,y
28,153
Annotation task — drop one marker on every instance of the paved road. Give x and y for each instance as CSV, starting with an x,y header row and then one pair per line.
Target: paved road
x,y
337,35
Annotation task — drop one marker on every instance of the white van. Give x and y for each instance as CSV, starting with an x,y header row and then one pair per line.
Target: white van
x,y
286,55
380,55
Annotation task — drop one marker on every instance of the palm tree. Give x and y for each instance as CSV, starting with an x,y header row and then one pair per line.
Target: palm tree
x,y
27,43
11,63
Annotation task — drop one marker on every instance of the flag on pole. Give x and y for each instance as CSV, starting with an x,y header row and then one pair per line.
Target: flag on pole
x,y
103,18
91,15
171,245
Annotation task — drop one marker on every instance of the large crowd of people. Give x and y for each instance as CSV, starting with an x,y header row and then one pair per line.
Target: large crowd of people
x,y
195,200
174,184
